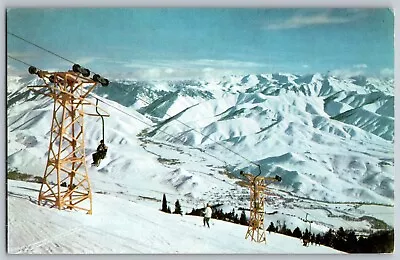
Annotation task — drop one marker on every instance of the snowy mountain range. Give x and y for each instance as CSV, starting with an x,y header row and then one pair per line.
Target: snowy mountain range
x,y
313,130
329,138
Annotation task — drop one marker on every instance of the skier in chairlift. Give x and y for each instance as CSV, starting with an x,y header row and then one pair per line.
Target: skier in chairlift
x,y
99,154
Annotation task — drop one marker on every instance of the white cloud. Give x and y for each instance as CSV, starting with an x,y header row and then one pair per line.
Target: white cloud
x,y
360,66
11,70
86,60
301,20
305,66
184,69
386,72
171,74
169,71
225,63
25,56
346,72
200,63
208,69
162,68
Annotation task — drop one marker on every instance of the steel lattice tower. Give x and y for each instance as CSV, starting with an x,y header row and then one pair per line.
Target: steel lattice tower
x,y
257,185
66,182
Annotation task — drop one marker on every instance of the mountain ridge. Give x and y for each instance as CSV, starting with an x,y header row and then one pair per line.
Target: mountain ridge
x,y
298,115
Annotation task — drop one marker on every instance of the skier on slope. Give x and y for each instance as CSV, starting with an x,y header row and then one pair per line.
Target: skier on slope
x,y
207,215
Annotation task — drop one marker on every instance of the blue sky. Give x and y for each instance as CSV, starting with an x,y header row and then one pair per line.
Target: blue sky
x,y
199,42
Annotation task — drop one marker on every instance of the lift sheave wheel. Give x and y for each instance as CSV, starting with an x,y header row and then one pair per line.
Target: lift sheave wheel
x,y
101,80
32,70
84,71
76,68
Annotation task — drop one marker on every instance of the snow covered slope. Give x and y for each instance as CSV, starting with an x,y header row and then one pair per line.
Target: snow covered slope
x,y
336,147
330,139
121,226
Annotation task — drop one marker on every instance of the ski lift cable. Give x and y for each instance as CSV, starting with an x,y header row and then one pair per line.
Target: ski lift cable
x,y
203,150
144,122
346,223
44,49
61,57
206,136
315,218
108,104
211,155
19,60
19,37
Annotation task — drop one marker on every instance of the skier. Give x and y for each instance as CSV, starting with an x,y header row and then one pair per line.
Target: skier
x,y
207,215
306,239
99,154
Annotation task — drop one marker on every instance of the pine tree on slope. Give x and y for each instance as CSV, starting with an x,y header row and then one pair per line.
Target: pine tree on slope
x,y
164,207
178,209
243,219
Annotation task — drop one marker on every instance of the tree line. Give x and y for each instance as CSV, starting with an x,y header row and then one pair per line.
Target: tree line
x,y
216,213
165,208
344,240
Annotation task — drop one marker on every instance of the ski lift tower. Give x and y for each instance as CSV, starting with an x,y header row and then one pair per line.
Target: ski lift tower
x,y
257,185
65,183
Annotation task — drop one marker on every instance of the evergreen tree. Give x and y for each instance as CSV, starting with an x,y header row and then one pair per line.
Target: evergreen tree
x,y
168,210
243,219
271,227
164,207
339,241
352,242
283,228
178,209
278,225
222,214
297,232
362,245
218,214
312,239
318,239
288,232
327,239
306,237
382,241
236,219
307,234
